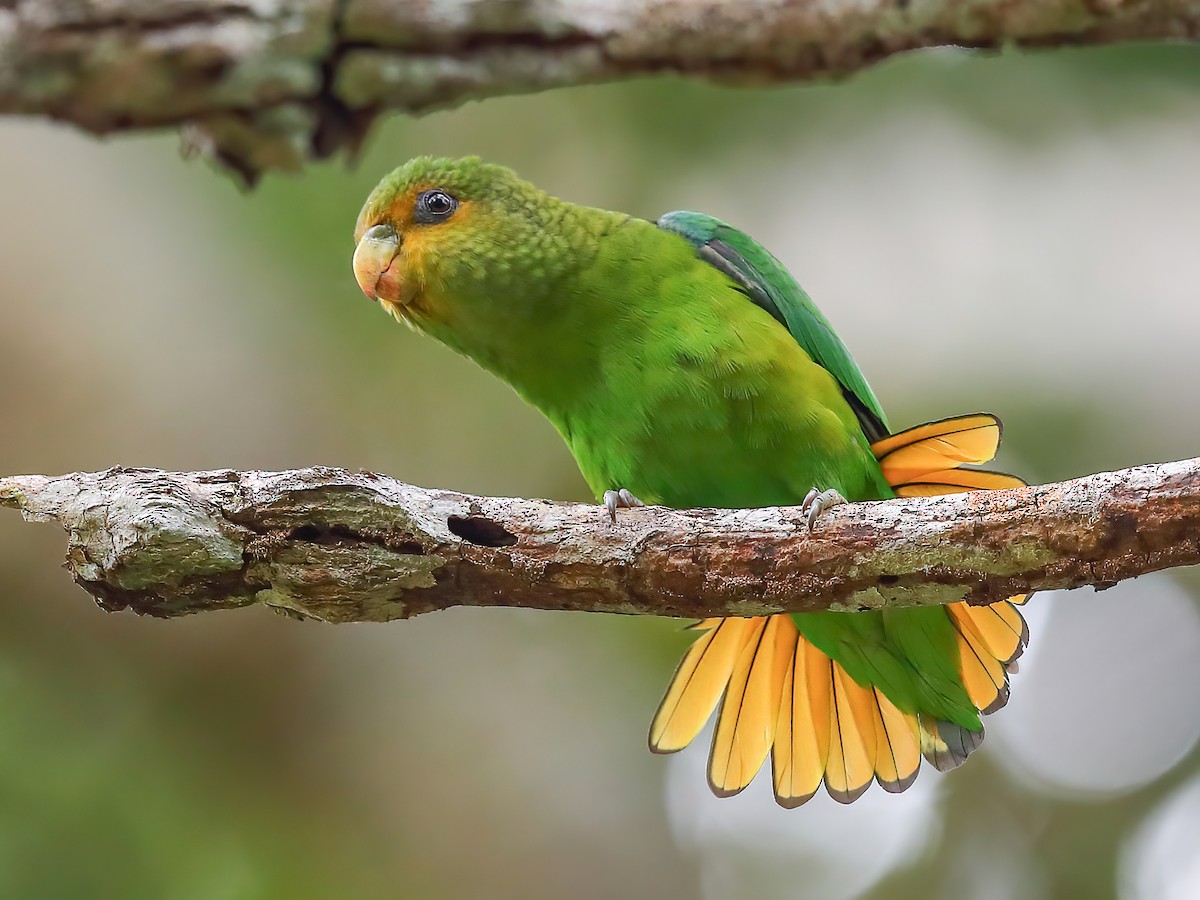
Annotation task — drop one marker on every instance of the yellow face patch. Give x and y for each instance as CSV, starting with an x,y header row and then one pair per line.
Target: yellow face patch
x,y
421,244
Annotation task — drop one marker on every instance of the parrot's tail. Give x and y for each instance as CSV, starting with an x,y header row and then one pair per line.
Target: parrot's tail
x,y
781,696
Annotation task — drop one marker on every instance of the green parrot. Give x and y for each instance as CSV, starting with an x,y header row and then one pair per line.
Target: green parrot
x,y
684,367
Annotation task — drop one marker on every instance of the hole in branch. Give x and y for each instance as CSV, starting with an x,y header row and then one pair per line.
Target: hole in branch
x,y
340,534
889,579
481,531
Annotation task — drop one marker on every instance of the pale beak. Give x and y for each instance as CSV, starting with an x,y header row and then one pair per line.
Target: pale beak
x,y
373,260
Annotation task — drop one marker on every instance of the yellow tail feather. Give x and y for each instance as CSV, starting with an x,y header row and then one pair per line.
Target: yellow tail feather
x,y
852,740
947,444
749,711
801,748
956,481
898,757
1003,638
698,684
781,696
982,674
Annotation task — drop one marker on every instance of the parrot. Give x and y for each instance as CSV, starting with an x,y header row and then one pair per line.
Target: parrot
x,y
684,367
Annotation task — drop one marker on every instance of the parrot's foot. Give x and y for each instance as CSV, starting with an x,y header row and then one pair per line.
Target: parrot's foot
x,y
622,499
816,502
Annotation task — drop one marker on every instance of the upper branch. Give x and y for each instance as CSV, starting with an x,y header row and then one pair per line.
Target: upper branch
x,y
345,546
264,84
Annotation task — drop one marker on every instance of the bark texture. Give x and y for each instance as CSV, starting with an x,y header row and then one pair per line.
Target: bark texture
x,y
352,546
269,84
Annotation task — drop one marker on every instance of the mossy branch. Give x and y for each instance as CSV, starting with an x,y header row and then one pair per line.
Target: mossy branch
x,y
270,84
344,546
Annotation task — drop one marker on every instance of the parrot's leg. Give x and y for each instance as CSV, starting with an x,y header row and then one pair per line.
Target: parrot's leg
x,y
816,502
622,499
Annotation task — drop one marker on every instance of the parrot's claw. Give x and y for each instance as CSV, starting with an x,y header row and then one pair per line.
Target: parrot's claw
x,y
622,499
816,502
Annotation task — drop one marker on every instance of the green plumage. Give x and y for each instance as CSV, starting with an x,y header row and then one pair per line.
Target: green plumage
x,y
681,362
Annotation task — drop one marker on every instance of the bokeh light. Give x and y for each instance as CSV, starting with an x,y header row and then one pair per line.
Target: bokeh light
x,y
1160,861
1103,691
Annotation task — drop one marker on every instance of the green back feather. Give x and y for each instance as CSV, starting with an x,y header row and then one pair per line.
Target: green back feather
x,y
767,283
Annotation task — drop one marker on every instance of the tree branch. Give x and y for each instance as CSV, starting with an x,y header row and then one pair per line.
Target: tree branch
x,y
264,84
343,546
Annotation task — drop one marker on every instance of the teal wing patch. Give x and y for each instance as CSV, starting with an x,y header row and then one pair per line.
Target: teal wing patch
x,y
763,279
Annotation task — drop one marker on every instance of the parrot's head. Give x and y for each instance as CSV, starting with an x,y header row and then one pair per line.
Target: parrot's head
x,y
454,245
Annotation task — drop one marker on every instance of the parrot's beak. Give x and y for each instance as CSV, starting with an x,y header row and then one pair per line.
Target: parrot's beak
x,y
373,258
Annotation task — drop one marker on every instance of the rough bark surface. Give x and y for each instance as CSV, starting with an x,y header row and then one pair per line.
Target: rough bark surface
x,y
350,546
266,84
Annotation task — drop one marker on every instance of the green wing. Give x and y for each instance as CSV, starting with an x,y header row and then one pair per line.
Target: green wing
x,y
762,278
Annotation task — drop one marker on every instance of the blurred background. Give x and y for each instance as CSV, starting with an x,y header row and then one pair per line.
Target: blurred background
x,y
1015,234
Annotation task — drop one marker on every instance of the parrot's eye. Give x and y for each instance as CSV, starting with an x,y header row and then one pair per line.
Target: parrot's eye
x,y
434,206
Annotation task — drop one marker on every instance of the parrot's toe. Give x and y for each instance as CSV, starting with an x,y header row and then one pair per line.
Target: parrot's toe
x,y
816,502
622,499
